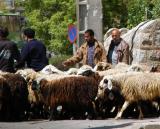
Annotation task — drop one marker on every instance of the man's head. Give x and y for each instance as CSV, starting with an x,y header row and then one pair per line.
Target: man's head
x,y
28,33
116,35
4,32
89,35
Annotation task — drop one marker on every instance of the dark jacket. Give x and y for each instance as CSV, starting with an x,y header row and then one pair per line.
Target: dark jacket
x,y
8,53
122,50
34,53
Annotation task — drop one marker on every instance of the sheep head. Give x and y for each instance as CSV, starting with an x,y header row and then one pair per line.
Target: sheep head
x,y
26,73
86,70
36,83
105,85
102,66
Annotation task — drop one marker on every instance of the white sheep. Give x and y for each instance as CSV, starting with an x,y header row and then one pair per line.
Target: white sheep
x,y
50,69
25,73
139,68
72,71
119,68
124,68
134,87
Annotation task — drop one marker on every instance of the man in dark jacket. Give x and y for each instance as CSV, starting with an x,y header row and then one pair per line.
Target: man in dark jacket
x,y
8,52
33,52
118,50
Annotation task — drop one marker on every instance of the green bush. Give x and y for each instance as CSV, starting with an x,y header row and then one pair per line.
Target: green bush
x,y
50,19
57,61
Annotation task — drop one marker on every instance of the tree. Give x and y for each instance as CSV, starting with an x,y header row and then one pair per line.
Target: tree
x,y
114,13
50,19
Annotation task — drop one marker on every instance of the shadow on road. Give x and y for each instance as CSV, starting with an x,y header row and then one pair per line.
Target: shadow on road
x,y
113,126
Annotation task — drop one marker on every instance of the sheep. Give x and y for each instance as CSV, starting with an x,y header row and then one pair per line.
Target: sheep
x,y
134,88
26,73
86,70
101,66
109,102
34,96
5,100
19,94
124,68
35,107
50,69
72,92
110,99
72,71
35,100
139,68
121,65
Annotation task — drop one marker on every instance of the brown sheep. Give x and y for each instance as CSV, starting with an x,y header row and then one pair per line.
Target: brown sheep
x,y
74,92
5,100
19,95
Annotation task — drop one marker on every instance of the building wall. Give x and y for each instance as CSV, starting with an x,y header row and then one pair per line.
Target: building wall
x,y
89,16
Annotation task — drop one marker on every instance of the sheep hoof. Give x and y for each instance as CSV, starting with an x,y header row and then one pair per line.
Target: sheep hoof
x,y
140,117
89,117
52,118
72,118
117,117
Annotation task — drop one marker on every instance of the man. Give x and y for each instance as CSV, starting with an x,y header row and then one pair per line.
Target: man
x,y
33,52
118,50
8,51
90,53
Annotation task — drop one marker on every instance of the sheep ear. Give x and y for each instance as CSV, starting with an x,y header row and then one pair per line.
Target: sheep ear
x,y
110,84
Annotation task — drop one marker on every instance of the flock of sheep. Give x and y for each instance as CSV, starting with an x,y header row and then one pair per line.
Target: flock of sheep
x,y
84,93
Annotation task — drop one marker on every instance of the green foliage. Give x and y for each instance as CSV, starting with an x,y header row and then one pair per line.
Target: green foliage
x,y
3,7
139,11
136,12
114,13
50,19
156,8
57,61
58,58
128,13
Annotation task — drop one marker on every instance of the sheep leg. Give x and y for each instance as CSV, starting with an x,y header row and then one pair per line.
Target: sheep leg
x,y
119,114
52,114
140,112
94,107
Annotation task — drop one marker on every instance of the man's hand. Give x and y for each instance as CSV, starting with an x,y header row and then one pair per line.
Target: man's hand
x,y
65,63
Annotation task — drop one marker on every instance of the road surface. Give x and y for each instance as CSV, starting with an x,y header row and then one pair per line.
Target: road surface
x,y
84,124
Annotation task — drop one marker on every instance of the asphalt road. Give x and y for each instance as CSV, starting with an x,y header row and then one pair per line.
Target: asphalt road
x,y
84,124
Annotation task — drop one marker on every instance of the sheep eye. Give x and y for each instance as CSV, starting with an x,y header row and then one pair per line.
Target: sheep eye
x,y
105,81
